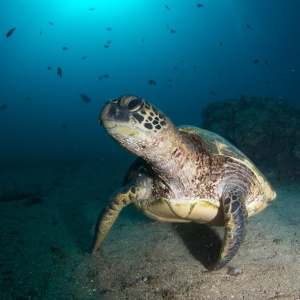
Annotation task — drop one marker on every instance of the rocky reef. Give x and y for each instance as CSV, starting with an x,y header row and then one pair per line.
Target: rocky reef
x,y
267,130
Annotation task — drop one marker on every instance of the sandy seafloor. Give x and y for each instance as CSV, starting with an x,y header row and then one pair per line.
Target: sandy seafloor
x,y
47,220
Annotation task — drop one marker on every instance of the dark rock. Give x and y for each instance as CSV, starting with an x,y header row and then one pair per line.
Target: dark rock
x,y
267,130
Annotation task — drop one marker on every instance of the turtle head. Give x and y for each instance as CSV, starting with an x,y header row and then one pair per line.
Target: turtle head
x,y
134,123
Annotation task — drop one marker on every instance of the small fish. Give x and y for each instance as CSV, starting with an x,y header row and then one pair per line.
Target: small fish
x,y
91,8
100,77
167,7
143,39
267,63
3,106
256,61
10,32
49,68
51,23
172,31
199,5
28,98
41,32
170,80
221,43
108,42
175,68
85,98
248,26
152,82
59,72
109,28
105,76
84,57
106,46
65,48
64,126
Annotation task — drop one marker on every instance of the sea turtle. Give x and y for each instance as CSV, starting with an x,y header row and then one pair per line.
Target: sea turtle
x,y
183,174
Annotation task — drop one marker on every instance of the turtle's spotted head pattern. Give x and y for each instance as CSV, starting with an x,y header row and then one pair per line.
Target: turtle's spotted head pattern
x,y
134,123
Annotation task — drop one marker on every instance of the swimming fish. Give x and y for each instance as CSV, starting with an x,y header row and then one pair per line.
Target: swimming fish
x,y
65,48
103,76
59,71
172,31
107,44
109,28
41,31
167,7
152,82
256,61
83,57
3,106
10,32
248,26
85,98
51,23
199,5
49,68
91,8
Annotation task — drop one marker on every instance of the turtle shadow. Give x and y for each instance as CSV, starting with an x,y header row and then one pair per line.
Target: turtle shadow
x,y
201,241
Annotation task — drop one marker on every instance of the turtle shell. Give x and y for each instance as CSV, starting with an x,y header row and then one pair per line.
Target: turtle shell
x,y
217,145
214,143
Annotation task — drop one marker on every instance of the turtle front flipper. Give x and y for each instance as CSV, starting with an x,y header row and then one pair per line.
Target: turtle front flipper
x,y
235,214
126,195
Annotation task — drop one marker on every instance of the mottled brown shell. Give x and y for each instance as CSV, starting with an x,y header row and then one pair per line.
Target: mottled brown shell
x,y
217,145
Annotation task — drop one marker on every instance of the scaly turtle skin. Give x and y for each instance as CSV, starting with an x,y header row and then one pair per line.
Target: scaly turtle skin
x,y
182,174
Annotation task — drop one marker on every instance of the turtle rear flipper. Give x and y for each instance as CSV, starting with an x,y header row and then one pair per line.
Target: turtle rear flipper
x,y
235,214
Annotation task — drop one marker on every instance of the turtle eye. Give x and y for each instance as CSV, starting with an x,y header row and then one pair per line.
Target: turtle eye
x,y
134,104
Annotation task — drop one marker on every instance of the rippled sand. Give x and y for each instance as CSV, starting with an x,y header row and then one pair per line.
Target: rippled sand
x,y
47,233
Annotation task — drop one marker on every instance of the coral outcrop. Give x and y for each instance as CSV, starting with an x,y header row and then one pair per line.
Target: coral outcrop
x,y
267,130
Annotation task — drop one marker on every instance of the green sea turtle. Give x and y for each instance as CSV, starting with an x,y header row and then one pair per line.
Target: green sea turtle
x,y
183,174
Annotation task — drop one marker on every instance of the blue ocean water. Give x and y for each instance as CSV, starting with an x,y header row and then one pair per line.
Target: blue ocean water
x,y
60,62
210,56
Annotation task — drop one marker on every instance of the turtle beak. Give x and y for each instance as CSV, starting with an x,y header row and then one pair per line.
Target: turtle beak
x,y
104,113
112,114
107,116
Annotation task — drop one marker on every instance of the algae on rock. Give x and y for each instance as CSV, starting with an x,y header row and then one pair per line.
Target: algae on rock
x,y
267,130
